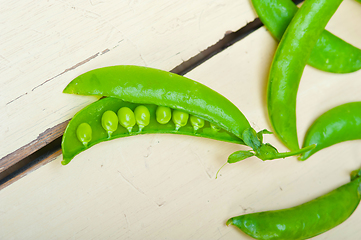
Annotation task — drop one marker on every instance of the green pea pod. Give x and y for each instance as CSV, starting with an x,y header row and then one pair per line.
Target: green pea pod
x,y
152,86
339,124
306,220
289,62
93,114
176,98
330,54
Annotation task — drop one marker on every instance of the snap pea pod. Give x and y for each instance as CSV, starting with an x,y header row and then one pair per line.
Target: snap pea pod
x,y
152,86
306,220
141,85
289,62
96,113
330,54
339,124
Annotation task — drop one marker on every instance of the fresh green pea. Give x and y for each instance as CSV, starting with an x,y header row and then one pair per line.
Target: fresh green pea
x,y
84,133
142,116
180,119
110,122
306,220
163,114
196,122
215,127
126,118
289,62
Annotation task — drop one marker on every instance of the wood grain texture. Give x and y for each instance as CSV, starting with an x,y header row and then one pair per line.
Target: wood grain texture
x,y
21,172
45,44
163,186
41,141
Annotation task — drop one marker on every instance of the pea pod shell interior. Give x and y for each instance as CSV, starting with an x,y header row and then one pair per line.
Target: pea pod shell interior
x,y
92,114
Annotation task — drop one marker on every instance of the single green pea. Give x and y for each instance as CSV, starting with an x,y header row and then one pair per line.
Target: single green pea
x,y
142,116
84,133
215,127
179,118
126,118
110,122
196,122
163,114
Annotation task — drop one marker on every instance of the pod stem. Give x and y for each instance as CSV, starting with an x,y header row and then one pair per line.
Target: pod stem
x,y
297,152
230,221
220,169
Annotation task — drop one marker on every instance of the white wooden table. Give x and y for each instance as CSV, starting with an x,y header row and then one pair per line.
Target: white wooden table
x,y
155,186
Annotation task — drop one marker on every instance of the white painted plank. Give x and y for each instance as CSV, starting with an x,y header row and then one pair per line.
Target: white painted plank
x,y
163,186
44,44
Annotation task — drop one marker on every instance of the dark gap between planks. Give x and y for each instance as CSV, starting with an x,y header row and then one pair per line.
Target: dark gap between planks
x,y
228,40
26,162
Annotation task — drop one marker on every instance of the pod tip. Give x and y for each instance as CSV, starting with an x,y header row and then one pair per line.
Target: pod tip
x,y
65,161
230,221
67,89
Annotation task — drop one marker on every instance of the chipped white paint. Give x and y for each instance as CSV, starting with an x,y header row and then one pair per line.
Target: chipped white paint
x,y
45,44
163,186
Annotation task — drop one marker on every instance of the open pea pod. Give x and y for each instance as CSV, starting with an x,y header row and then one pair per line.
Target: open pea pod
x,y
152,86
97,117
185,99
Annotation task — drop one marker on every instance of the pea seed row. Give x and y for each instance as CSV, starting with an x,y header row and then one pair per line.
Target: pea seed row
x,y
141,116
